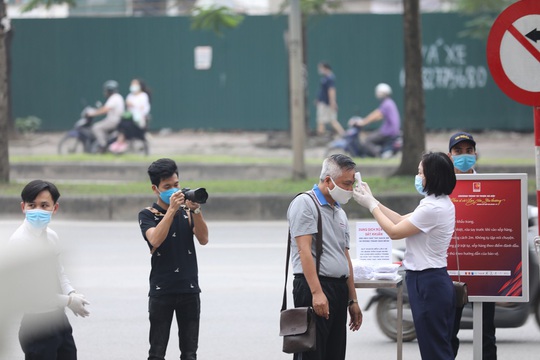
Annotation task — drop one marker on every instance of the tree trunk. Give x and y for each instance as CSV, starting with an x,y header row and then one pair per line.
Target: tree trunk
x,y
414,134
4,110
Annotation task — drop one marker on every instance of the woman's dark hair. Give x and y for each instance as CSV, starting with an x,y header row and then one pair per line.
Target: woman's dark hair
x,y
162,169
145,88
439,173
34,187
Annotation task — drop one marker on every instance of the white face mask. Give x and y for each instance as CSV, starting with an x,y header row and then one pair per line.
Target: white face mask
x,y
340,195
134,88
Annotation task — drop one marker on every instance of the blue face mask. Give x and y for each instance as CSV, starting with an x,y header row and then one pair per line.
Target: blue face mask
x,y
464,162
38,218
166,195
418,185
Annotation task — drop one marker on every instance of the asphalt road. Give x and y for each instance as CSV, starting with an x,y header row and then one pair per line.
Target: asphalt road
x,y
241,274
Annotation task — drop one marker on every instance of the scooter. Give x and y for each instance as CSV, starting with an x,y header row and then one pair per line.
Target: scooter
x,y
507,315
81,139
351,145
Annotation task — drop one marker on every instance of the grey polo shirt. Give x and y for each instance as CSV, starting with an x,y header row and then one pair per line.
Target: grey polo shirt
x,y
302,216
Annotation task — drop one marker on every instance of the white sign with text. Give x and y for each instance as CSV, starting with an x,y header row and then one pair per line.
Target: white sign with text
x,y
373,245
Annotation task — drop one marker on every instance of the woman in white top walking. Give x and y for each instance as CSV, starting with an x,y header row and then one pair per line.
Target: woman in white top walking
x,y
427,231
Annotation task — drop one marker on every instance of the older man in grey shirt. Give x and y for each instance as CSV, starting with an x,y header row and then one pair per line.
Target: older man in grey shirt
x,y
332,291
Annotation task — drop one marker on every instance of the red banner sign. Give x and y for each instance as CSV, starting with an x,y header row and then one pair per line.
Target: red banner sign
x,y
491,234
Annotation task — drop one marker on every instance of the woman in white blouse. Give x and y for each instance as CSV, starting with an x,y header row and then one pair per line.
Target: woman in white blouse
x,y
427,231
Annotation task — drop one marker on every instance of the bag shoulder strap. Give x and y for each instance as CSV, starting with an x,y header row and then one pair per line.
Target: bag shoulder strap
x,y
457,256
154,211
318,248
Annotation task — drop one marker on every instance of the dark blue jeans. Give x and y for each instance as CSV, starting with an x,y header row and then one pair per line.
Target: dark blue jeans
x,y
188,309
432,299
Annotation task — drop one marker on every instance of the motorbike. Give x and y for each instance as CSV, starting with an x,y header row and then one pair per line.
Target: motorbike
x,y
81,139
351,145
507,315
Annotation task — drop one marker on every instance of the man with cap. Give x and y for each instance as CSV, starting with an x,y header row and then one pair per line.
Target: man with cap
x,y
462,151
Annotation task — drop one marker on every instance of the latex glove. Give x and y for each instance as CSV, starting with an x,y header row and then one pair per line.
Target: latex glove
x,y
366,188
76,303
364,198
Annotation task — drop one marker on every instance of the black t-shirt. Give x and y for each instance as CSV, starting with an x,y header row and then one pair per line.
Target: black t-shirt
x,y
174,262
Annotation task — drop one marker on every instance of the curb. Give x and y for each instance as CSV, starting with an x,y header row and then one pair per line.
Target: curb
x,y
197,171
247,207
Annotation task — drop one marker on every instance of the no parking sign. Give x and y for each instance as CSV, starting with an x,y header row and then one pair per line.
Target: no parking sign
x,y
513,52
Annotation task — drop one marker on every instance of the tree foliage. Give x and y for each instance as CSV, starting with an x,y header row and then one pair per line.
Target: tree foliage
x,y
215,19
32,4
314,6
483,14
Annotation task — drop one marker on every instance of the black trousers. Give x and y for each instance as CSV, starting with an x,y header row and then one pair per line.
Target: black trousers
x,y
331,333
187,308
489,349
47,336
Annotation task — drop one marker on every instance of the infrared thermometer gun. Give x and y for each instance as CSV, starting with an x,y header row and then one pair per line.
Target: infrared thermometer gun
x,y
358,178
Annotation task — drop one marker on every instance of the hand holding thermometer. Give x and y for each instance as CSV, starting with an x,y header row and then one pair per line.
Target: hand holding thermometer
x,y
358,178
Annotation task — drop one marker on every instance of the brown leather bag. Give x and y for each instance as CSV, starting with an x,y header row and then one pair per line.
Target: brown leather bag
x,y
462,294
298,326
299,330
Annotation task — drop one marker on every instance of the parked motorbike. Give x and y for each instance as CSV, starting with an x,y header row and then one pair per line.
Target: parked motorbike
x,y
351,145
507,315
80,139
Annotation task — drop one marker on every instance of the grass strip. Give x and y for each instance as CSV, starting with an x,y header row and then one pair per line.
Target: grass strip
x,y
379,185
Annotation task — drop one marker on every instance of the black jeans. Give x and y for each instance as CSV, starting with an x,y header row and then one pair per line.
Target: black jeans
x,y
187,308
489,348
331,333
47,336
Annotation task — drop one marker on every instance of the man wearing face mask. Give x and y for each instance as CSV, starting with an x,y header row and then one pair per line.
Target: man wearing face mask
x,y
462,151
331,292
168,228
45,331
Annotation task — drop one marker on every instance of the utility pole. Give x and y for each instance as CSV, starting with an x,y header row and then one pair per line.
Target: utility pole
x,y
296,90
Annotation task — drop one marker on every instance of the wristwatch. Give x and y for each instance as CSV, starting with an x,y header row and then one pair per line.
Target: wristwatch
x,y
197,211
352,301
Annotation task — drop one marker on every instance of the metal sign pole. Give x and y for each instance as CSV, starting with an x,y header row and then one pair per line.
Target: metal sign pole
x,y
536,110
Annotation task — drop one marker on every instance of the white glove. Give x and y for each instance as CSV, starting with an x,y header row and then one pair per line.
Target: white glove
x,y
76,303
364,186
362,195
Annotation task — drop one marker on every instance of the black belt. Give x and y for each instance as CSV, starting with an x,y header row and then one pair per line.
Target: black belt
x,y
341,279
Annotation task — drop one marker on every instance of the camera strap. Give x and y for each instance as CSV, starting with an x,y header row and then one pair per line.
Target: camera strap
x,y
156,212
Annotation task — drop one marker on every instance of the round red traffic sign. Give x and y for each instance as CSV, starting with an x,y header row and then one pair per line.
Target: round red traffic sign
x,y
513,52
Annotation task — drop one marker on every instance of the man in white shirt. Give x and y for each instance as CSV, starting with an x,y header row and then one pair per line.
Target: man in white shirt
x,y
113,109
45,332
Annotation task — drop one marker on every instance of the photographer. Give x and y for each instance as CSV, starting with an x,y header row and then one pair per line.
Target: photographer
x,y
168,228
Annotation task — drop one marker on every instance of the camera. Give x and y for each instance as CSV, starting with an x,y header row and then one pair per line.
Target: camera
x,y
198,195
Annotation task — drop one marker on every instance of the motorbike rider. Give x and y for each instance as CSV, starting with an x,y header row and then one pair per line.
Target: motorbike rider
x,y
113,109
388,113
462,151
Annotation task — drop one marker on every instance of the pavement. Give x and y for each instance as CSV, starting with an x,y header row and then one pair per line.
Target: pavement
x,y
490,144
258,145
241,273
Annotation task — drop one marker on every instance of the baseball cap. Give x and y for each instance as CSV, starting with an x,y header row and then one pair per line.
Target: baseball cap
x,y
459,137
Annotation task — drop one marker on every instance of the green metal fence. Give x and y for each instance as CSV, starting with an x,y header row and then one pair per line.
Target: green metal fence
x,y
59,65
